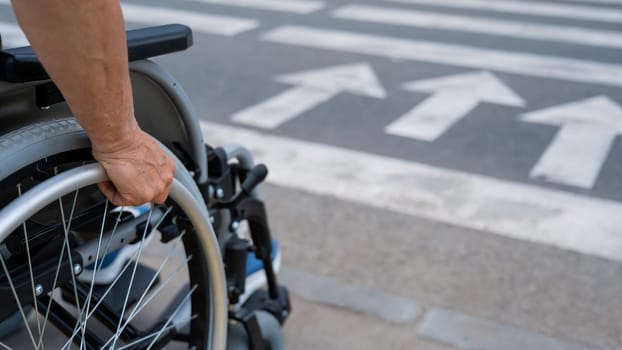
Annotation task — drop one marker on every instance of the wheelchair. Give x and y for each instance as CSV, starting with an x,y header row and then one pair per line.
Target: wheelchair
x,y
182,281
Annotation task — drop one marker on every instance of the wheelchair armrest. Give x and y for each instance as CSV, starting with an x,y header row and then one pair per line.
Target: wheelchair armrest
x,y
20,65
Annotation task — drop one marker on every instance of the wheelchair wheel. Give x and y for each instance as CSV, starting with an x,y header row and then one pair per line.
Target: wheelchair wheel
x,y
270,329
56,228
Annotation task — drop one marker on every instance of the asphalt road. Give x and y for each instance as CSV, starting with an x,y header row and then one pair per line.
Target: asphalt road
x,y
445,175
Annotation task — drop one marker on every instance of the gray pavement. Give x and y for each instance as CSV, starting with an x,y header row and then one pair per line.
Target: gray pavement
x,y
446,281
539,290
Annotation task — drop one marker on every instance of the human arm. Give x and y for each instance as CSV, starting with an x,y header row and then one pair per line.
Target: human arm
x,y
82,45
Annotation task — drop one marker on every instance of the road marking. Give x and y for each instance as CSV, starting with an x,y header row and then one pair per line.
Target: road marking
x,y
609,2
204,23
312,88
293,6
456,55
482,25
467,332
12,35
544,9
530,213
576,155
331,292
453,98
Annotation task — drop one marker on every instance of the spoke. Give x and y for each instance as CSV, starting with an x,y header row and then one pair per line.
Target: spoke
x,y
19,303
170,319
97,268
160,288
91,311
32,276
139,340
66,227
127,295
138,308
65,247
3,345
90,294
157,273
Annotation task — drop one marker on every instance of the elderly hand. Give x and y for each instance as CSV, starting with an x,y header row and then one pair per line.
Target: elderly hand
x,y
139,172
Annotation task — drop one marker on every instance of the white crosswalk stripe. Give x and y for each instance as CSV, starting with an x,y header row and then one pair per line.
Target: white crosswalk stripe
x,y
544,9
481,25
479,202
608,2
457,55
293,6
12,35
200,22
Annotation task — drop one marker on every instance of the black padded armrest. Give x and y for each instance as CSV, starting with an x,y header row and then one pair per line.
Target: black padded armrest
x,y
21,65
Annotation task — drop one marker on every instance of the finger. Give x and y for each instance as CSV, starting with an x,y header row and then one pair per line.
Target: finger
x,y
167,178
161,198
108,189
113,195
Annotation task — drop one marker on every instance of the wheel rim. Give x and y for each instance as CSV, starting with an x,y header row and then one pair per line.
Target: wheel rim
x,y
20,210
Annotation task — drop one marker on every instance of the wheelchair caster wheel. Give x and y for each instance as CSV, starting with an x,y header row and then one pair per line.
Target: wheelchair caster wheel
x,y
271,332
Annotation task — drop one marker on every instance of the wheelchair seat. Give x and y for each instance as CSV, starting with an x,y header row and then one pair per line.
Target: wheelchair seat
x,y
20,65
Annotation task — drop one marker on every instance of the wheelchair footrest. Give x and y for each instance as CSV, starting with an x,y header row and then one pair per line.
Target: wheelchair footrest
x,y
115,298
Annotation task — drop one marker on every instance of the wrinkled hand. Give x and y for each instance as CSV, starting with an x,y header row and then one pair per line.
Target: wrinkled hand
x,y
139,172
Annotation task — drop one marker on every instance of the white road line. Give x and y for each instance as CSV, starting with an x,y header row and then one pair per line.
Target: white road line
x,y
312,87
568,221
203,22
273,112
544,9
578,151
456,55
293,6
609,2
482,25
200,22
453,97
12,35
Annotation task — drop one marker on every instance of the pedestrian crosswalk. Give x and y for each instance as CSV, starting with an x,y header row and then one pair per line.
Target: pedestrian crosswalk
x,y
451,54
200,22
481,25
531,8
293,6
565,42
12,35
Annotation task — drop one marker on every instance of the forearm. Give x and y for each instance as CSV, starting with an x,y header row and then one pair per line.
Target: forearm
x,y
81,44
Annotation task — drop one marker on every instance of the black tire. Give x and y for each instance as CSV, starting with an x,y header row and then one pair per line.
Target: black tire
x,y
271,331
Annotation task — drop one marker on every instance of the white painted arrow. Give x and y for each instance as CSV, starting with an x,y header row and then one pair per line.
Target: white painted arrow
x,y
576,155
454,97
313,88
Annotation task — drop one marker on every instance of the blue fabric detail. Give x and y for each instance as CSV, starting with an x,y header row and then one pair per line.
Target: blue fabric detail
x,y
253,264
108,259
